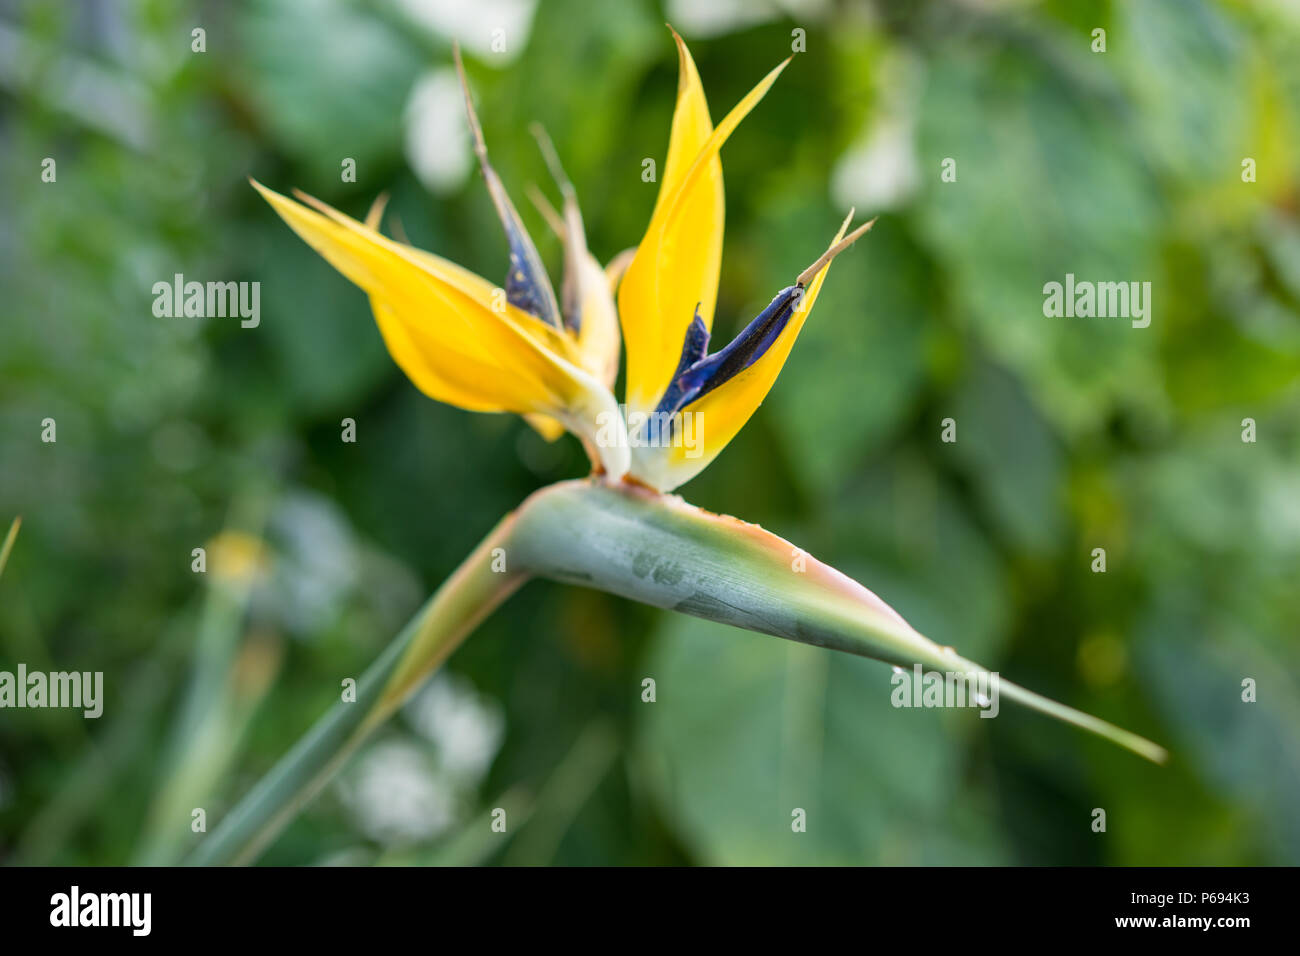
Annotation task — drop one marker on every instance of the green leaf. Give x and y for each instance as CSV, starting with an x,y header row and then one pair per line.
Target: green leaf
x,y
1048,183
326,82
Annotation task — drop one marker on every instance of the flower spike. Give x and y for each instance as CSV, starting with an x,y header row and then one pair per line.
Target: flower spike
x,y
527,285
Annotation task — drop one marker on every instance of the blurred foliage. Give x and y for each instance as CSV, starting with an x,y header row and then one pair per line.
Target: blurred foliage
x,y
1073,434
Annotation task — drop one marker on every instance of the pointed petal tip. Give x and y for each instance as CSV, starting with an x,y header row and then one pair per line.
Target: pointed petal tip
x,y
687,75
552,158
543,206
475,130
677,39
836,248
279,201
319,205
375,215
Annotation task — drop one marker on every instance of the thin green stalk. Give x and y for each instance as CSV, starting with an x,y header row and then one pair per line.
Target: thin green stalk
x,y
455,609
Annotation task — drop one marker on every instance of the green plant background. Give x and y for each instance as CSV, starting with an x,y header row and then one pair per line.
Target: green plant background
x,y
1073,434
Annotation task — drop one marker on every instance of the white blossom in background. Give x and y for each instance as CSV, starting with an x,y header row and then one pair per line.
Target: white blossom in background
x,y
407,789
316,567
693,18
880,169
465,727
475,24
437,137
396,795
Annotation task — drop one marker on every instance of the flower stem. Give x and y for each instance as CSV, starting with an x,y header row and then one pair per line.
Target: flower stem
x,y
449,616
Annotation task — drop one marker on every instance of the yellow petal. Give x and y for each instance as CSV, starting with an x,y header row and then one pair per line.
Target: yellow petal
x,y
468,283
717,416
675,270
638,301
457,379
598,339
440,326
439,373
435,309
691,126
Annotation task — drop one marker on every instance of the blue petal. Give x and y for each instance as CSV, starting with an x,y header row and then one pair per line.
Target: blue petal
x,y
694,347
697,374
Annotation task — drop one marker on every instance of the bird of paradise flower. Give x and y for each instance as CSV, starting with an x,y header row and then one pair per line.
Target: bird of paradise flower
x,y
554,359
